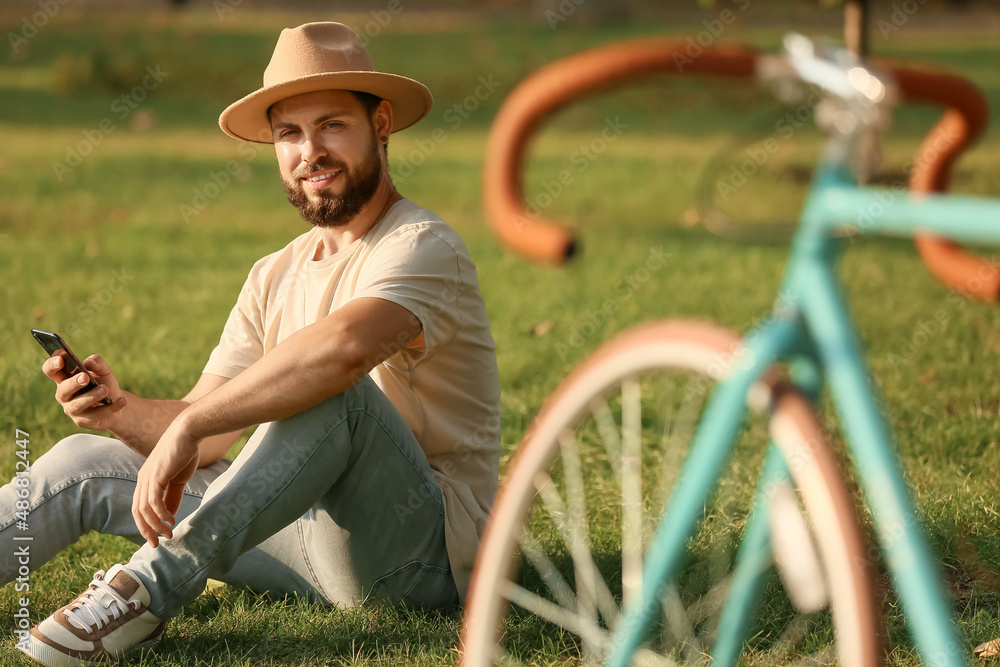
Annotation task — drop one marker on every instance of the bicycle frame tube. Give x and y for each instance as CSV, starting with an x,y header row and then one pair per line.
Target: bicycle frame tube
x,y
837,203
752,565
813,284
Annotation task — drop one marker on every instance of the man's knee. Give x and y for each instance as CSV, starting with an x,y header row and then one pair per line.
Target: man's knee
x,y
361,397
82,454
362,393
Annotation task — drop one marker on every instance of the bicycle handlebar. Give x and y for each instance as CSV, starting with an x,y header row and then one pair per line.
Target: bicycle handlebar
x,y
563,81
835,70
963,122
553,87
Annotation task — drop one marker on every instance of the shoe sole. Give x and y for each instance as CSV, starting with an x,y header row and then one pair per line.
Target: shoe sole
x,y
50,656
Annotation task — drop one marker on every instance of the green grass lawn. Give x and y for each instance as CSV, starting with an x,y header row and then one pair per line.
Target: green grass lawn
x,y
137,251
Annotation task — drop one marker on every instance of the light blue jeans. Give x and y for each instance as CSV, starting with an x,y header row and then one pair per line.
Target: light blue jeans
x,y
310,507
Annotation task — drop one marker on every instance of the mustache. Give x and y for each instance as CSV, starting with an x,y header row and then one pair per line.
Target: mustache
x,y
320,165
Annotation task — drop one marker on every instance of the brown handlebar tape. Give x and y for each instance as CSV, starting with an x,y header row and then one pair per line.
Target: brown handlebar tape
x,y
554,86
560,83
963,122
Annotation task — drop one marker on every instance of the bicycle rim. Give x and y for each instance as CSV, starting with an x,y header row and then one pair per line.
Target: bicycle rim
x,y
585,493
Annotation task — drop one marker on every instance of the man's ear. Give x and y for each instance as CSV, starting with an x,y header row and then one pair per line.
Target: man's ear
x,y
383,119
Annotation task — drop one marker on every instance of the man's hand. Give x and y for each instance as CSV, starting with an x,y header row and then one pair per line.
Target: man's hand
x,y
161,482
85,409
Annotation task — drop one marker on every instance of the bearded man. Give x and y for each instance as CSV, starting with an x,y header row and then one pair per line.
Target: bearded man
x,y
362,350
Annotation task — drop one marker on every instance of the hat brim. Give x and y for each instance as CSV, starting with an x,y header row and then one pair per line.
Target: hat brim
x,y
247,118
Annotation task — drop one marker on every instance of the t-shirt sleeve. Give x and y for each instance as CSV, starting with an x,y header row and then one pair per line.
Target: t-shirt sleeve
x,y
242,339
424,271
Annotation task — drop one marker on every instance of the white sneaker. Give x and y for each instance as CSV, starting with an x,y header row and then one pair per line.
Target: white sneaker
x,y
107,619
988,650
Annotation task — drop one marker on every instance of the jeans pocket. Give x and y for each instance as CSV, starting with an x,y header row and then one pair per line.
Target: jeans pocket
x,y
419,585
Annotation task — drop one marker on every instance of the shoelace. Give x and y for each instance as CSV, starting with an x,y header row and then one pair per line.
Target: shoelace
x,y
100,602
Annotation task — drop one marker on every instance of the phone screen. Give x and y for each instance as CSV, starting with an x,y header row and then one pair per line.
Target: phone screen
x,y
52,344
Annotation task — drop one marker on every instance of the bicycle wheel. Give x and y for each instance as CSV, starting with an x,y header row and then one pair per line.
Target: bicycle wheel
x,y
586,490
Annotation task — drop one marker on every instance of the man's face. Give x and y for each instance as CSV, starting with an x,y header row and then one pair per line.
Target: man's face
x,y
328,154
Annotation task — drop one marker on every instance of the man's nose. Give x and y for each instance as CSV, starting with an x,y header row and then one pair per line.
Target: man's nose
x,y
312,150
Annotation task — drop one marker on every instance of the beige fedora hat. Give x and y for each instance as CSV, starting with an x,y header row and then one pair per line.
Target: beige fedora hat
x,y
322,56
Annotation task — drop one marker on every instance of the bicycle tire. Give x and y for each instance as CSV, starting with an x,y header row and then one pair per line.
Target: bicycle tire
x,y
700,348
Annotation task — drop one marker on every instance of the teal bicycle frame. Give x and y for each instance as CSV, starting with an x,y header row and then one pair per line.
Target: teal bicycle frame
x,y
812,330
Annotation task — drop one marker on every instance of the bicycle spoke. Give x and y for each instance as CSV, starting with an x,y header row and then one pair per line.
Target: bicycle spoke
x,y
579,550
791,636
826,656
608,429
646,658
551,577
680,627
503,658
681,423
576,506
709,604
631,488
553,613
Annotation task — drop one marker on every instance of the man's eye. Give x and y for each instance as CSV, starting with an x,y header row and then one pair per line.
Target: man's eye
x,y
334,124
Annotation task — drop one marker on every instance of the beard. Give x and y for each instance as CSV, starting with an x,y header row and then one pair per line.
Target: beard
x,y
331,210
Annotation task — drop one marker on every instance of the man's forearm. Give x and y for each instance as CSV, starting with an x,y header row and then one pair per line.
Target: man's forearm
x,y
147,419
310,366
283,383
143,420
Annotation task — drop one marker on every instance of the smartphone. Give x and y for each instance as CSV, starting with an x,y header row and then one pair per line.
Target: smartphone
x,y
52,344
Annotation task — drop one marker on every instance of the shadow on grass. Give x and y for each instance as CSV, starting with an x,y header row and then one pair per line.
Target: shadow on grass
x,y
238,625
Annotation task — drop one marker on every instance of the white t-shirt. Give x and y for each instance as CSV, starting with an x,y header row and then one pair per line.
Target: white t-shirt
x,y
445,384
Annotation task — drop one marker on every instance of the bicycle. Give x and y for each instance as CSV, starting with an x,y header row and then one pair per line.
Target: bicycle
x,y
581,505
